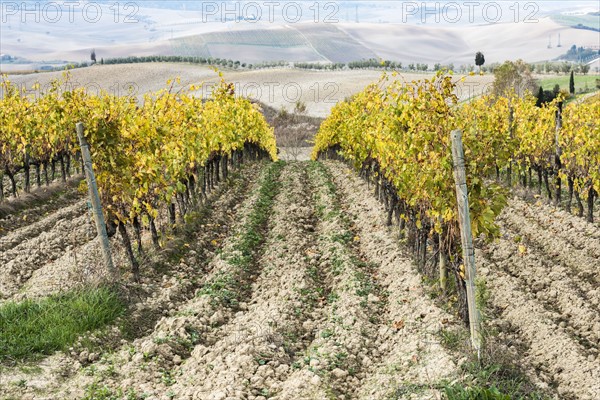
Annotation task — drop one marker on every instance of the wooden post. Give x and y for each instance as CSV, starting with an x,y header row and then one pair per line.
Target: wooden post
x,y
464,219
95,198
557,162
511,131
442,264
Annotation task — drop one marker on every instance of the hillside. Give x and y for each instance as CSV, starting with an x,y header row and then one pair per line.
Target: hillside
x,y
278,87
375,32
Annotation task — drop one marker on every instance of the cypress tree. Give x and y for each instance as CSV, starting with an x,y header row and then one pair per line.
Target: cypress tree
x,y
540,97
572,83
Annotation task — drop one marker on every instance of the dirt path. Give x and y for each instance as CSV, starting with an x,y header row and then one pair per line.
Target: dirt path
x,y
333,365
256,348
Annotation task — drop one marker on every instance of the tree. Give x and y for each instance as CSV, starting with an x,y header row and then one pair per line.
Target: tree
x,y
585,68
547,67
572,84
540,97
513,76
479,60
300,108
539,68
546,96
93,56
556,89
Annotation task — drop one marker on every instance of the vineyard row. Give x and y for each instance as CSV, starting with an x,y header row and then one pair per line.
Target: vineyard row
x,y
163,154
398,136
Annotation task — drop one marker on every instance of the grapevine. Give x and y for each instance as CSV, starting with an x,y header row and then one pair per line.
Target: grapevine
x,y
398,136
166,152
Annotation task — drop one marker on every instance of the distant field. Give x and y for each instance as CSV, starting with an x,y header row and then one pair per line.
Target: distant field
x,y
301,42
563,81
277,87
174,32
588,20
334,44
259,37
191,46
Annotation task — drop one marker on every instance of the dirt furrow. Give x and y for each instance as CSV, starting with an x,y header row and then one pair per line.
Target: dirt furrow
x,y
144,365
34,229
335,362
580,261
257,346
559,360
412,360
76,267
67,232
570,302
37,206
558,223
565,305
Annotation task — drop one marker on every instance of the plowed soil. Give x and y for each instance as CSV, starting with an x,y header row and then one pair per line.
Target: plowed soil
x,y
543,277
327,305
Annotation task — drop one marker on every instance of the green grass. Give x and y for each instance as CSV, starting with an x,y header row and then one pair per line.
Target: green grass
x,y
224,288
496,376
253,235
563,81
495,379
457,392
32,328
97,392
